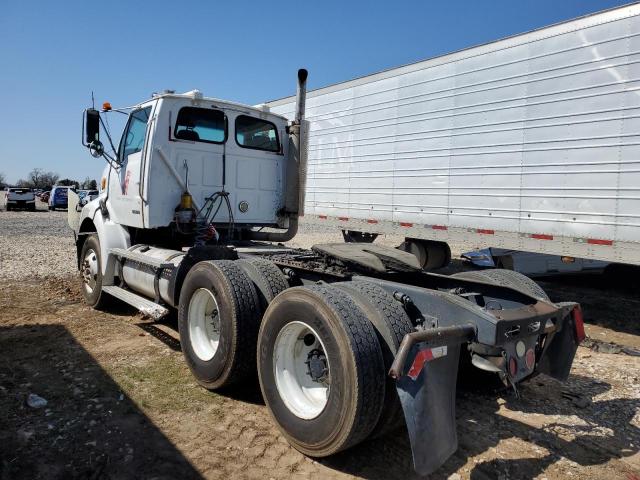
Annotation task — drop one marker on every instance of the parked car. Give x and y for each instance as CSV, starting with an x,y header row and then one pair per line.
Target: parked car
x,y
58,197
20,198
86,196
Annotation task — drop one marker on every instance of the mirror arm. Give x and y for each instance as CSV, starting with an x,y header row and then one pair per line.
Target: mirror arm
x,y
113,149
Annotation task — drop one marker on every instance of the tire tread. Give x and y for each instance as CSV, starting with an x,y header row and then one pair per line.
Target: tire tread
x,y
506,278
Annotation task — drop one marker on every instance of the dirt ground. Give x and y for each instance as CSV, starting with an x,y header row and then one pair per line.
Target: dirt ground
x,y
121,403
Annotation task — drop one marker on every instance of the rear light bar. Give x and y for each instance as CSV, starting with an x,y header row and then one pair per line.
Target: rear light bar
x,y
578,323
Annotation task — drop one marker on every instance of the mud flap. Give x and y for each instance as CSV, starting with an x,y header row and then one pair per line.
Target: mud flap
x,y
427,391
559,351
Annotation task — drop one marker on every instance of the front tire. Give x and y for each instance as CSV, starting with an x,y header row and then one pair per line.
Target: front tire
x,y
91,274
321,369
218,320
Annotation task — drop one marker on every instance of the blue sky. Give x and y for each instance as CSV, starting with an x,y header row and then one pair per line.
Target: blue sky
x,y
53,54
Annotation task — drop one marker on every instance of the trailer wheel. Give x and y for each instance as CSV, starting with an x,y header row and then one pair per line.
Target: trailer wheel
x,y
267,278
91,274
391,323
218,318
506,278
321,369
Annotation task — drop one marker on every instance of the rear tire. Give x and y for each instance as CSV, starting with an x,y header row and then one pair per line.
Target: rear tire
x,y
91,274
218,319
267,278
391,323
337,404
506,278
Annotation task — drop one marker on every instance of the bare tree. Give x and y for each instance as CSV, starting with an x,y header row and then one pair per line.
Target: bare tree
x,y
35,177
38,178
2,180
49,179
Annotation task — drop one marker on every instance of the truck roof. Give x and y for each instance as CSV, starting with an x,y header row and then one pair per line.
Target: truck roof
x,y
197,95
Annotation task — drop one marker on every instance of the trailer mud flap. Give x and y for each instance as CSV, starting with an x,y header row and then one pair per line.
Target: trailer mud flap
x,y
427,391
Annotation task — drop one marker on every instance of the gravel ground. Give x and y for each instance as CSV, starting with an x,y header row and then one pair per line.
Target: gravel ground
x,y
36,243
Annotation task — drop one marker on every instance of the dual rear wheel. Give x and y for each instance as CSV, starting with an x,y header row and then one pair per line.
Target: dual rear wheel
x,y
322,351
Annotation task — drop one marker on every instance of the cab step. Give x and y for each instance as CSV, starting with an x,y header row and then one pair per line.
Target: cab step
x,y
140,258
146,306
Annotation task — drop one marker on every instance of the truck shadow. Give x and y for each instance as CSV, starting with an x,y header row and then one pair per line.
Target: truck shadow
x,y
603,432
88,429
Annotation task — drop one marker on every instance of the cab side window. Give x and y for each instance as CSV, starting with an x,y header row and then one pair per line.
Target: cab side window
x,y
256,134
201,125
135,133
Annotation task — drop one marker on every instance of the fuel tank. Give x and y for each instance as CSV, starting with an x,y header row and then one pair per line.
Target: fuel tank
x,y
141,277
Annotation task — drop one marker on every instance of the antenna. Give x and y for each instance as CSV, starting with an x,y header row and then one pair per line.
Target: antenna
x,y
93,101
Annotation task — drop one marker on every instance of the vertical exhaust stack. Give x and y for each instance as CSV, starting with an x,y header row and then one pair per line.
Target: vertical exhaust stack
x,y
296,174
301,95
303,137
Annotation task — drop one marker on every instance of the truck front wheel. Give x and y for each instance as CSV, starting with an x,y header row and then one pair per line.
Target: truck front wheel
x,y
91,274
321,369
218,319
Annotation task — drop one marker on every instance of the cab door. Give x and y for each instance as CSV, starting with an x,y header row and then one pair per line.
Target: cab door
x,y
254,170
124,185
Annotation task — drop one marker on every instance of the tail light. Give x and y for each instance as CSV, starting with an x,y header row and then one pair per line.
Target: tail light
x,y
513,367
578,323
530,359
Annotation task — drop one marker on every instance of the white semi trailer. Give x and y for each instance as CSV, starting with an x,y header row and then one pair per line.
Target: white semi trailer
x,y
348,340
530,143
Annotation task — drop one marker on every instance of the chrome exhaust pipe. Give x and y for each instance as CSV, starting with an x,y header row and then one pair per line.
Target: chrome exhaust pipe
x,y
301,95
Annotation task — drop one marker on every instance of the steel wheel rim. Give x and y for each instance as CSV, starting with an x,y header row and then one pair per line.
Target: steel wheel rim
x,y
90,270
305,397
204,324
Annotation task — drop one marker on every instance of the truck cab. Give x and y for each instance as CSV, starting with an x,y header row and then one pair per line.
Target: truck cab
x,y
188,142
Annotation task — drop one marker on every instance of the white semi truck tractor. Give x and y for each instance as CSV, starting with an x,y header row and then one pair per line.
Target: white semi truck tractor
x,y
349,340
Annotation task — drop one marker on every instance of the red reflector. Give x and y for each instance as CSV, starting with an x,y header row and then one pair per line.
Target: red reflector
x,y
422,357
485,232
372,221
541,236
530,359
595,241
344,219
578,322
439,227
405,224
513,367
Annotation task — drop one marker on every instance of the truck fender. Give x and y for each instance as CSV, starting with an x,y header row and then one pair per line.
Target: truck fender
x,y
110,234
